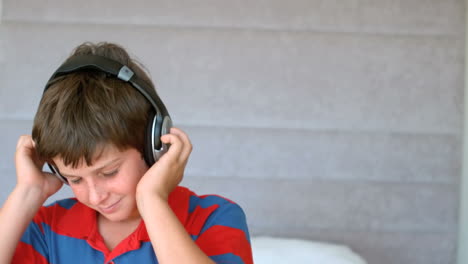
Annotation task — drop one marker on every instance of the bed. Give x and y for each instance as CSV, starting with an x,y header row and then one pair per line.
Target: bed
x,y
275,250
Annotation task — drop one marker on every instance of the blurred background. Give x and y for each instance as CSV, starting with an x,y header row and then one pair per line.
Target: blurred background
x,y
336,121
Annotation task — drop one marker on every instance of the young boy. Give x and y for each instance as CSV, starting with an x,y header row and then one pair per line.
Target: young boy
x,y
93,128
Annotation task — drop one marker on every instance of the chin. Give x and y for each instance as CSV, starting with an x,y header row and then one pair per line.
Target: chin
x,y
115,218
121,216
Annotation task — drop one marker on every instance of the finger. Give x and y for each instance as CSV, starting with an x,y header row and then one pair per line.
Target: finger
x,y
24,141
176,145
183,136
27,147
187,144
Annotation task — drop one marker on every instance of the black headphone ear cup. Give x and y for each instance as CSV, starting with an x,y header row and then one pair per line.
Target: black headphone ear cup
x,y
148,148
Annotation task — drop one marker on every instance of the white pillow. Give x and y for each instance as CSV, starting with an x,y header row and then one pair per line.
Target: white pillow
x,y
269,250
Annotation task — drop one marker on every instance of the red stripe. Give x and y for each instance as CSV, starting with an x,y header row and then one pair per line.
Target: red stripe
x,y
218,240
197,219
76,222
26,254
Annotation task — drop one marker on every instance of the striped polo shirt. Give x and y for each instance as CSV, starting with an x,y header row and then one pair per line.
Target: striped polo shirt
x,y
66,232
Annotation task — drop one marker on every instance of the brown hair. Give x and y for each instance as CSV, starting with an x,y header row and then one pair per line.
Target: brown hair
x,y
83,111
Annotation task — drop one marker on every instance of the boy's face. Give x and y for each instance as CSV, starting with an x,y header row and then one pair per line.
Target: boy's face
x,y
109,184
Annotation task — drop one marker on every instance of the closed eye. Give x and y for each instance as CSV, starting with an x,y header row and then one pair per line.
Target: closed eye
x,y
110,174
75,181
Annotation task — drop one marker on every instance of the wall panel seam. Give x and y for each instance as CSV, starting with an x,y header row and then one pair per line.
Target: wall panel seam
x,y
353,181
415,34
321,130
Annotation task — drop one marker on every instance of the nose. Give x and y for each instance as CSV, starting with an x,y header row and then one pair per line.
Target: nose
x,y
96,194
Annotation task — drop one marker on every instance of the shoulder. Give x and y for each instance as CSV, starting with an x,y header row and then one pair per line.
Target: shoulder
x,y
206,202
64,216
67,203
61,211
57,208
218,226
209,211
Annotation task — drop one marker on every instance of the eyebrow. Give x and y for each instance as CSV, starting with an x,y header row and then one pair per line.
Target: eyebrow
x,y
95,170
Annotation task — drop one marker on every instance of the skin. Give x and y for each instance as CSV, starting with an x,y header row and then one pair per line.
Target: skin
x,y
119,186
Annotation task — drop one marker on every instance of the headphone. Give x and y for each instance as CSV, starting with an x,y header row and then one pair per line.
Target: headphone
x,y
159,121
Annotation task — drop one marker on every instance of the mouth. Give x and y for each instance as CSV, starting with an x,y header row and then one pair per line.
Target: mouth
x,y
111,208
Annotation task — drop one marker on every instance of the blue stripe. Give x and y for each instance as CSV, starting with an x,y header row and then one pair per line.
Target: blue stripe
x,y
206,202
65,203
227,258
34,237
143,255
70,250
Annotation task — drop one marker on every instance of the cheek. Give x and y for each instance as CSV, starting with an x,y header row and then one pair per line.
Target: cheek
x,y
125,182
128,182
134,174
81,193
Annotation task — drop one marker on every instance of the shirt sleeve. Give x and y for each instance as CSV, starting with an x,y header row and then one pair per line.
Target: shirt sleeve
x,y
32,248
224,236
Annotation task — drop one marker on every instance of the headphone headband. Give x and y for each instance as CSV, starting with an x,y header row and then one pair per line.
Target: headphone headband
x,y
115,69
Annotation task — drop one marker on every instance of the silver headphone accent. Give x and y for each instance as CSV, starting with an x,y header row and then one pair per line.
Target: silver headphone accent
x,y
165,129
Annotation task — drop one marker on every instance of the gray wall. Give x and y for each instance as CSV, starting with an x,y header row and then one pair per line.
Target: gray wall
x,y
330,120
462,248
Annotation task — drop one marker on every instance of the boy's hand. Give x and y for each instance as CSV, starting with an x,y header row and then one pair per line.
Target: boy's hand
x,y
168,171
29,169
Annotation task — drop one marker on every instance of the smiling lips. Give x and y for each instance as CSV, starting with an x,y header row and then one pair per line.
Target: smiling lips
x,y
110,209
